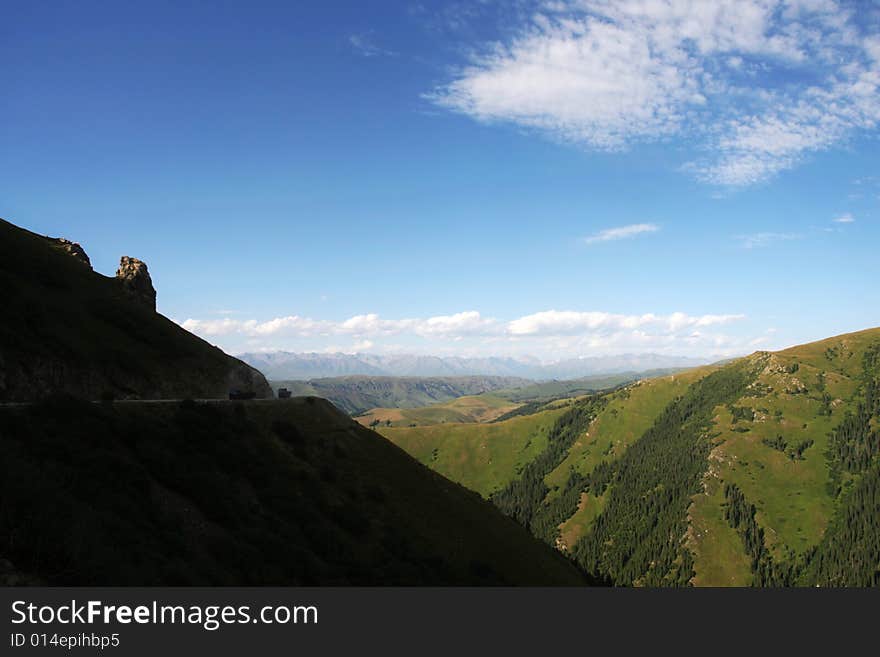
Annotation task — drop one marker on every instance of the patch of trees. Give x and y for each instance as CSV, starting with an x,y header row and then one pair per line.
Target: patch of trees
x,y
794,451
529,408
849,553
639,536
740,515
855,442
741,413
523,498
825,404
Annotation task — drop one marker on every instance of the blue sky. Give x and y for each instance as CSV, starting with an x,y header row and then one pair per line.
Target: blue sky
x,y
547,178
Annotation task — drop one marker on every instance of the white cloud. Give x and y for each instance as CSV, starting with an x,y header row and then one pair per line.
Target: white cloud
x,y
622,232
758,240
464,323
845,218
553,322
760,84
549,334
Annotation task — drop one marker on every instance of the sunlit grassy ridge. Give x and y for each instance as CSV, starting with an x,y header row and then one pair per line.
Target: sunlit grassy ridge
x,y
800,395
739,465
483,457
627,416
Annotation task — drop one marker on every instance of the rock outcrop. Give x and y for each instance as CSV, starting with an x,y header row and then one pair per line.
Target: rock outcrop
x,y
66,329
75,250
245,378
136,280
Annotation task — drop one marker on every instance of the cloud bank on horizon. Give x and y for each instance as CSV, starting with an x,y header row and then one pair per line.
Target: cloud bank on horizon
x,y
547,334
756,85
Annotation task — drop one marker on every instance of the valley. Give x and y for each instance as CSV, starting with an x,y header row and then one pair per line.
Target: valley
x,y
762,470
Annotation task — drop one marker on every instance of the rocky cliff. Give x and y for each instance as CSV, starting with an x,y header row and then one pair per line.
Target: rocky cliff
x,y
66,328
136,281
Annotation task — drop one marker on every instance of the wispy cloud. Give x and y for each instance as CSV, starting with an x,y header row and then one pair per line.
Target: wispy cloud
x,y
364,44
621,233
845,218
760,84
759,240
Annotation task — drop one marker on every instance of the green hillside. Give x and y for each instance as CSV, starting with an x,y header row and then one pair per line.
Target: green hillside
x,y
483,457
801,447
358,394
760,471
66,328
257,493
627,415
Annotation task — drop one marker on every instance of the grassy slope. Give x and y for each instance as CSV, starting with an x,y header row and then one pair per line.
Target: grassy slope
x,y
575,527
67,328
791,496
241,494
627,416
472,408
629,413
483,457
718,551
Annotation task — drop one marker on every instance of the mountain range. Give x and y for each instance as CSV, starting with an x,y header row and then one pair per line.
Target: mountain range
x,y
284,365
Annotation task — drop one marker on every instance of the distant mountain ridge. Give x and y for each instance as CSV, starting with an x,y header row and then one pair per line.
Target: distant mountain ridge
x,y
288,366
357,393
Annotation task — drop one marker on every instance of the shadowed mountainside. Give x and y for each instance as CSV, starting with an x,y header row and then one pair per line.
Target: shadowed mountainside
x,y
241,493
70,329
